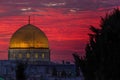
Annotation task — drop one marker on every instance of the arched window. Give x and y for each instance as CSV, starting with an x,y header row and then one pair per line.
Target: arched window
x,y
13,55
20,55
28,55
36,55
43,55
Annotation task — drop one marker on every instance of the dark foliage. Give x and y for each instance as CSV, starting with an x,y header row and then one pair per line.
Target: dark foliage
x,y
54,72
63,74
20,71
78,62
102,59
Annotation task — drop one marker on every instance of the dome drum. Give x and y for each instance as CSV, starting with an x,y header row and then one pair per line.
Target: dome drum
x,y
29,54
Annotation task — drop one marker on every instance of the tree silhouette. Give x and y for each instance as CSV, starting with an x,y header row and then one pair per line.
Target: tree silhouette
x,y
105,47
63,74
54,72
20,71
102,52
79,63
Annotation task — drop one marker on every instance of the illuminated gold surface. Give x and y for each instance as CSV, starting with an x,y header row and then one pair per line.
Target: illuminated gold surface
x,y
43,55
28,55
29,36
20,55
36,55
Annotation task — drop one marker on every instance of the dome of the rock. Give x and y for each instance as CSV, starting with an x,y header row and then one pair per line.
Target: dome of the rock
x,y
29,43
29,36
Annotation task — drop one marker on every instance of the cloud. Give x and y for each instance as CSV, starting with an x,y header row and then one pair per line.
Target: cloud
x,y
65,22
14,7
54,4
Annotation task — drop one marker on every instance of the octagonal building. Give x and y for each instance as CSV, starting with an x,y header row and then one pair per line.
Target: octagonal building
x,y
29,43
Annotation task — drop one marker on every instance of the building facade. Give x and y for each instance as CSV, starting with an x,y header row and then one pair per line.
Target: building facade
x,y
30,45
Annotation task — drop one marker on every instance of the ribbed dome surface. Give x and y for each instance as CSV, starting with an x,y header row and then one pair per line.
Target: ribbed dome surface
x,y
29,36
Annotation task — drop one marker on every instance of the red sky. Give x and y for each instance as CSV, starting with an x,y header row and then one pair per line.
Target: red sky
x,y
65,22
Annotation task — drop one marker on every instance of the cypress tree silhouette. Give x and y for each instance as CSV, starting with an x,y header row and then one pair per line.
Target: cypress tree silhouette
x,y
102,52
54,72
20,71
79,63
63,74
102,59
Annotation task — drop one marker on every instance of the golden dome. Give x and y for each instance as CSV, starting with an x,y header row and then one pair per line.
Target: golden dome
x,y
29,36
